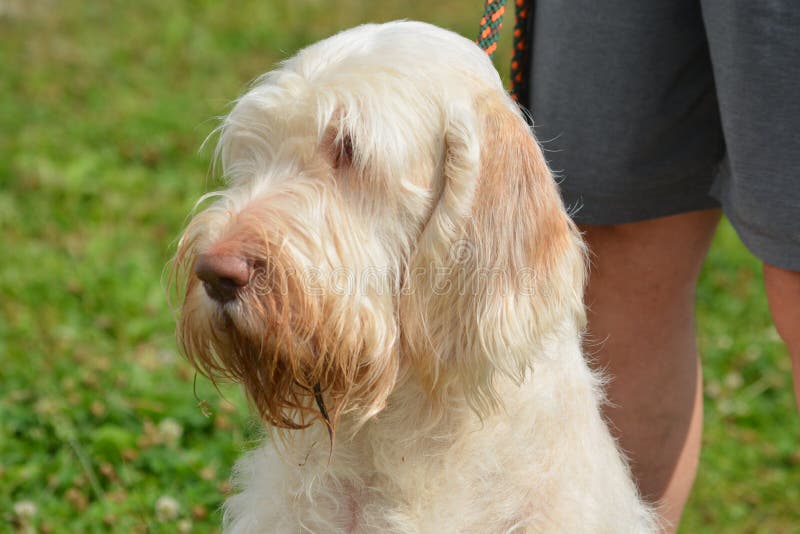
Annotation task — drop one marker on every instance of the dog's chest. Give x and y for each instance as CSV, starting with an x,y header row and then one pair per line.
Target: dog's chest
x,y
413,485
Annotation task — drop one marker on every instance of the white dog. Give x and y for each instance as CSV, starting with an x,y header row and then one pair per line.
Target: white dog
x,y
391,275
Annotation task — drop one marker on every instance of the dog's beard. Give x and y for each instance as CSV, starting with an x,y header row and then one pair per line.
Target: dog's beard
x,y
298,361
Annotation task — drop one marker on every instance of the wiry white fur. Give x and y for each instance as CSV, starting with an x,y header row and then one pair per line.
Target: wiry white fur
x,y
492,422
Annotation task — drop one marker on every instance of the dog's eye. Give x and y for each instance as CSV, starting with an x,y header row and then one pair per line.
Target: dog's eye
x,y
343,152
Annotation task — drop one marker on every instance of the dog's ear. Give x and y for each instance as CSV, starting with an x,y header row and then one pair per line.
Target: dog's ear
x,y
499,265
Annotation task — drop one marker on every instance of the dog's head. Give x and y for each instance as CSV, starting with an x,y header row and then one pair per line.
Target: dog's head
x,y
387,216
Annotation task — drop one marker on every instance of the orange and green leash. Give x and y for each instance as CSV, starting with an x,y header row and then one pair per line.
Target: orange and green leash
x,y
489,32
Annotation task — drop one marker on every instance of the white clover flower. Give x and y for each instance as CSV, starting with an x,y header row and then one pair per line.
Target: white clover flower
x,y
167,508
733,380
25,510
170,431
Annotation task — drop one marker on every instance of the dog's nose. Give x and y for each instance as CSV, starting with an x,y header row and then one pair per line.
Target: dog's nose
x,y
222,276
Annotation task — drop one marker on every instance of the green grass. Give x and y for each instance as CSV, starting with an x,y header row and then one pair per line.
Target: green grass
x,y
103,108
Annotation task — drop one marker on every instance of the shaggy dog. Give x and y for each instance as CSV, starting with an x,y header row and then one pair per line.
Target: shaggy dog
x,y
391,275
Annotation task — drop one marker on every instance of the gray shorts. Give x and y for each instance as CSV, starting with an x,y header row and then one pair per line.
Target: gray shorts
x,y
648,108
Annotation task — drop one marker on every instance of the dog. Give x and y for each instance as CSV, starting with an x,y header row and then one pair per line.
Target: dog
x,y
392,277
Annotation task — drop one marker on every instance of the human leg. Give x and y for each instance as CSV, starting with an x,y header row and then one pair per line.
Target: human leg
x,y
640,301
753,47
783,294
623,102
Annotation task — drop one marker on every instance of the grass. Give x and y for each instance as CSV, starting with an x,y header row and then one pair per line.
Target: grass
x,y
104,106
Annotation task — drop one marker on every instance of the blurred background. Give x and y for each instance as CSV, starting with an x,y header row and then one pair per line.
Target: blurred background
x,y
103,427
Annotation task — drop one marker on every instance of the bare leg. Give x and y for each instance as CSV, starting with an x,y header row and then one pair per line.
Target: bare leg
x,y
640,299
783,294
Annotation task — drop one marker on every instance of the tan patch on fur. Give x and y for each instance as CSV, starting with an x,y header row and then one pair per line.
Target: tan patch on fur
x,y
517,205
522,273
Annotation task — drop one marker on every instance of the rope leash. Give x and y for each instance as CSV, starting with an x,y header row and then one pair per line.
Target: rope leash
x,y
489,32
